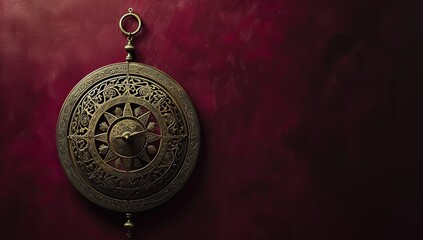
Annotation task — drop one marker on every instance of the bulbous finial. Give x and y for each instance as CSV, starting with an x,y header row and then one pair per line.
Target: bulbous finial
x,y
129,48
128,225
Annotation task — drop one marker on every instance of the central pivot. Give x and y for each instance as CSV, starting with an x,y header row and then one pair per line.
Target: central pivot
x,y
127,138
126,135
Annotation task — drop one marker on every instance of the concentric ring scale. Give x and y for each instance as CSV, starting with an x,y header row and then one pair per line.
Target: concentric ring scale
x,y
128,137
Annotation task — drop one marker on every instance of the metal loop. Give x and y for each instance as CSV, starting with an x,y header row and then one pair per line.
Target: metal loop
x,y
130,14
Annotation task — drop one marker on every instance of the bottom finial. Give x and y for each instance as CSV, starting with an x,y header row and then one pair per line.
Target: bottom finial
x,y
128,225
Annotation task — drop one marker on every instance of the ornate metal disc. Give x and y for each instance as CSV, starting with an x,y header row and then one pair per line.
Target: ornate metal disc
x,y
128,137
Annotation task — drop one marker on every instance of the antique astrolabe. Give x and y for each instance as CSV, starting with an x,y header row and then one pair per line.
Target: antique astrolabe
x,y
128,135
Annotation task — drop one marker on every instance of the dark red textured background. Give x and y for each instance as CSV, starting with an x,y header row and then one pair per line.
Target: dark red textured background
x,y
310,112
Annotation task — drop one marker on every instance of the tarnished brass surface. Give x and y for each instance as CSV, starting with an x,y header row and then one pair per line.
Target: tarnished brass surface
x,y
128,137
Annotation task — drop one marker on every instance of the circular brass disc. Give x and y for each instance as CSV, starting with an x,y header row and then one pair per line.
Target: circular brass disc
x,y
128,142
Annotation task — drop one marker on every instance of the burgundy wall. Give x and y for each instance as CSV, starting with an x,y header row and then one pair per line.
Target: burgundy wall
x,y
310,112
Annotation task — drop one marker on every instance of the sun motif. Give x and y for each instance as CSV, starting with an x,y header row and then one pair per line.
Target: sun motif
x,y
127,139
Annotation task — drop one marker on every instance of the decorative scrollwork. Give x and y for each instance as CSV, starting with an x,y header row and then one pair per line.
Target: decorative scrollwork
x,y
132,139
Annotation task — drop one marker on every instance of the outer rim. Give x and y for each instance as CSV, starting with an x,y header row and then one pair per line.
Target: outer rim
x,y
193,129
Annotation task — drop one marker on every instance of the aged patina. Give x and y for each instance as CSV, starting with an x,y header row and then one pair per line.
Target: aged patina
x,y
128,135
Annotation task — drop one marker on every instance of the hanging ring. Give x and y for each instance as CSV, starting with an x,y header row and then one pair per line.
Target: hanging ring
x,y
130,14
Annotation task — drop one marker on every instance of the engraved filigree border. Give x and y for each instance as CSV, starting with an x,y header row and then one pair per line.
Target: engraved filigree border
x,y
179,96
